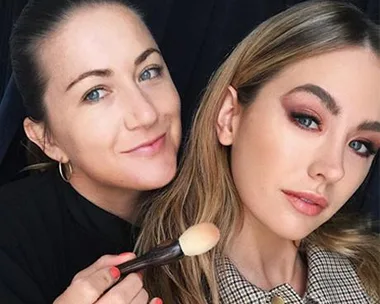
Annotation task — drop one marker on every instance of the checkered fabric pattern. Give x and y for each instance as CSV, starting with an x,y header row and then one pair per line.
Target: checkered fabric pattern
x,y
331,280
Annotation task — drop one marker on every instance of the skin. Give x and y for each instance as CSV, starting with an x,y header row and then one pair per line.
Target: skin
x,y
278,144
90,285
97,119
114,114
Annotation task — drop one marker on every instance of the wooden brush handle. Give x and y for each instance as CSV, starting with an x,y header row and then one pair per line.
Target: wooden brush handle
x,y
160,255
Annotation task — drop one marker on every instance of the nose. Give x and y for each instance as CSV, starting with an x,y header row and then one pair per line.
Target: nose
x,y
140,111
328,164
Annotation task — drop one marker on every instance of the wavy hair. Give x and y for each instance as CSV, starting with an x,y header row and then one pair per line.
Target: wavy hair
x,y
204,191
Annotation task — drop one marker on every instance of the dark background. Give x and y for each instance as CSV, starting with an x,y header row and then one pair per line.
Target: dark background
x,y
194,37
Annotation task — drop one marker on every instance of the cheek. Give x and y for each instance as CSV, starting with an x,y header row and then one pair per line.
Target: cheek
x,y
255,154
169,103
87,130
354,177
61,125
165,97
169,107
269,143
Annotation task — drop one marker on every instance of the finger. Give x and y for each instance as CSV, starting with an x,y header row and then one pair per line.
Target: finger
x,y
141,298
140,274
123,292
89,289
103,262
156,301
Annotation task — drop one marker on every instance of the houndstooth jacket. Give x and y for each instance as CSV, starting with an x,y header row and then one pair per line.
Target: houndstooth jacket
x,y
331,280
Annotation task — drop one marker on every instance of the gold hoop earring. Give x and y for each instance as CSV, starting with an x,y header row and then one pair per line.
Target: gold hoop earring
x,y
61,170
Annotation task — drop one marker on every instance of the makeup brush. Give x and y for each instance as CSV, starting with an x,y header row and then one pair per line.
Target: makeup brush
x,y
195,240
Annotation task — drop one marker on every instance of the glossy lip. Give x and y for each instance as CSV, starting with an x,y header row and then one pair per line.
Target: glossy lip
x,y
147,144
306,202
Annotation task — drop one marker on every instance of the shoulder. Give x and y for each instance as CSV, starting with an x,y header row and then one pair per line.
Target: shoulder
x,y
38,185
27,204
333,277
27,194
29,226
318,257
27,186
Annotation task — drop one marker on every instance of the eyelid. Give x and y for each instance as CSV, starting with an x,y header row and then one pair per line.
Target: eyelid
x,y
157,66
98,87
307,115
370,146
305,110
293,115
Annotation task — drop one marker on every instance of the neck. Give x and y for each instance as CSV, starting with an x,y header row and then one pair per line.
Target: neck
x,y
265,259
116,200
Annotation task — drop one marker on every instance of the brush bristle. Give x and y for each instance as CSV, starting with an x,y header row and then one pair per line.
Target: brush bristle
x,y
199,239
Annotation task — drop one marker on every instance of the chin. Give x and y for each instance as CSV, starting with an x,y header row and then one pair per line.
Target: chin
x,y
295,234
157,179
294,230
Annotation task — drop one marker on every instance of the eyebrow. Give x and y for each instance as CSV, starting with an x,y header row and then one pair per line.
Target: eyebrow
x,y
333,107
144,55
107,72
98,73
369,126
327,100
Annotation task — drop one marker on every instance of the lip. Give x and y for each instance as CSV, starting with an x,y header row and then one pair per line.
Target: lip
x,y
306,202
148,146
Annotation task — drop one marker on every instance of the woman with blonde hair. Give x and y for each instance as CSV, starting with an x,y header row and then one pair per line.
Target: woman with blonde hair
x,y
284,136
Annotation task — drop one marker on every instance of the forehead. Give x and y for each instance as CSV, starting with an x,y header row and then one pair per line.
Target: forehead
x,y
350,75
98,36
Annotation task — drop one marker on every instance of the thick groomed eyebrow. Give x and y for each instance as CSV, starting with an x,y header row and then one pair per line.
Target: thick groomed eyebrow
x,y
330,103
107,72
369,126
324,96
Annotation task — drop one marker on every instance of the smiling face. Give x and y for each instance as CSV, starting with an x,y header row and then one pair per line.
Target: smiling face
x,y
306,143
112,108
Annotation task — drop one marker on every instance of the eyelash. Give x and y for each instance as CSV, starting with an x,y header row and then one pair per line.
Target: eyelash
x,y
296,116
370,148
157,68
85,96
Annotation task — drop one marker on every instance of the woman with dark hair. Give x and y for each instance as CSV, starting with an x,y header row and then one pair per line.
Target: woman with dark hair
x,y
102,107
285,134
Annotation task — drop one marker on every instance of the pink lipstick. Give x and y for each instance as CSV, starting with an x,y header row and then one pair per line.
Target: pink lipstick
x,y
305,202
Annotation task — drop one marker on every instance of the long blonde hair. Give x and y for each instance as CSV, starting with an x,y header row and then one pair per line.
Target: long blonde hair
x,y
204,191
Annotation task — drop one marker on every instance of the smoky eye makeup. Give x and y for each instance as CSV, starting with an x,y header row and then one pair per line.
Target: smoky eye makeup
x,y
307,112
304,120
364,148
303,111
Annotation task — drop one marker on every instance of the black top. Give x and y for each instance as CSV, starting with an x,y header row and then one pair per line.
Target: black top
x,y
48,233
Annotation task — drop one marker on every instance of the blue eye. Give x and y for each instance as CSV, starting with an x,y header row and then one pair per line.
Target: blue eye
x,y
150,73
364,149
305,121
95,95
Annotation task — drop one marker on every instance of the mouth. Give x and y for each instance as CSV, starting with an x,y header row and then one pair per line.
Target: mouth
x,y
306,202
148,147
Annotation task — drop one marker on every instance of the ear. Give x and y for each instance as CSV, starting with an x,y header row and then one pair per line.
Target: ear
x,y
228,117
36,133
